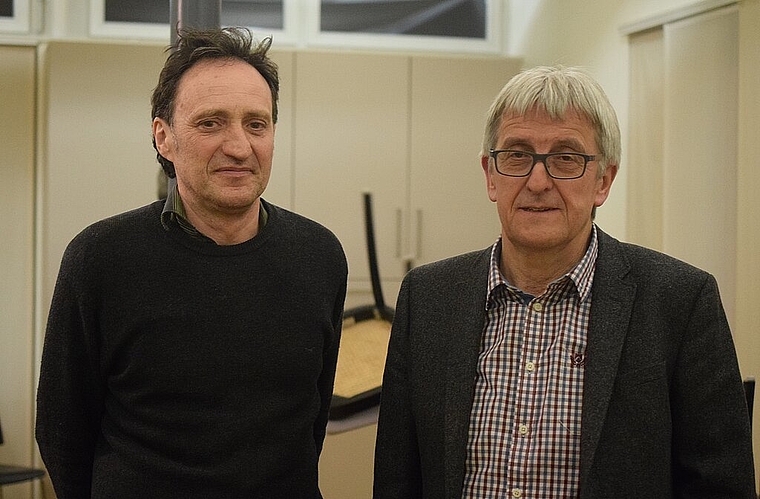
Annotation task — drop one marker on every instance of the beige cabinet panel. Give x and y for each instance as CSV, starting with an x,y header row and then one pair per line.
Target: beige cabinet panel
x,y
96,136
407,128
280,188
346,464
17,111
450,209
351,135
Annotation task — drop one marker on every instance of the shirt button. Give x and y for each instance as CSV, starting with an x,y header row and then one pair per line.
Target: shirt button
x,y
523,429
537,307
530,366
516,493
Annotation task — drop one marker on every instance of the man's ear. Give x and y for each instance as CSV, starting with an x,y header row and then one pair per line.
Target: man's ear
x,y
604,184
162,135
485,163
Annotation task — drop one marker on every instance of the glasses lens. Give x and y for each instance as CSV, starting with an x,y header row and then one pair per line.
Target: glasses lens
x,y
566,165
515,163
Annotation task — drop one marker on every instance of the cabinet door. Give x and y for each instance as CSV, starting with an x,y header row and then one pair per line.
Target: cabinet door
x,y
280,188
450,209
17,74
351,135
96,135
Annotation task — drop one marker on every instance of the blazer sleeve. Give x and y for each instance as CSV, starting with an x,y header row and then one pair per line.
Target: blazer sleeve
x,y
712,452
397,459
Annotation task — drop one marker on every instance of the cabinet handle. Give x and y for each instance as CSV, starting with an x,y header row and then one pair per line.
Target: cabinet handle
x,y
418,252
399,231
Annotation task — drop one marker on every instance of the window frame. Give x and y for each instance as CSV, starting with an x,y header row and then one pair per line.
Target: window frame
x,y
20,22
301,29
490,44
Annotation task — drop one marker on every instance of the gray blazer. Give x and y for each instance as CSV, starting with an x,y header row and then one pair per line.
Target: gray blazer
x,y
664,413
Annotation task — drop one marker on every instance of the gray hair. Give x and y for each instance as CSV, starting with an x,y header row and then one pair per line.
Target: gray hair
x,y
557,90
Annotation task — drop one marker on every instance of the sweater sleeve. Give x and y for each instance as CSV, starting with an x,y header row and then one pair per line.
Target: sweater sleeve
x,y
329,363
69,397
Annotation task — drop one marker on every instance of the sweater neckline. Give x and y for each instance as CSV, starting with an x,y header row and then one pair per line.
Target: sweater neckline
x,y
175,232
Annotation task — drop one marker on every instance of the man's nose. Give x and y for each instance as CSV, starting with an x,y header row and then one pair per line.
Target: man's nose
x,y
237,143
539,178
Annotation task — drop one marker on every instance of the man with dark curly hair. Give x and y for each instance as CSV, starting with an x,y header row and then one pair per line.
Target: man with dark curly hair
x,y
191,344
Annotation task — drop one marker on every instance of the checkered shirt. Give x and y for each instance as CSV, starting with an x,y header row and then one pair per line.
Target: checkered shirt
x,y
525,421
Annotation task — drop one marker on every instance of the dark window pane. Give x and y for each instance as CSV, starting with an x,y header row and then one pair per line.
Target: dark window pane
x,y
259,13
6,8
137,11
458,18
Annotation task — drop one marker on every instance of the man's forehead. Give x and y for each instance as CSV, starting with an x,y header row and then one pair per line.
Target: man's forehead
x,y
541,113
222,80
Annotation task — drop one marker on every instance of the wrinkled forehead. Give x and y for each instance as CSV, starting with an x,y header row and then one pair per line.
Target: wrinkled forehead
x,y
551,113
539,131
212,82
538,117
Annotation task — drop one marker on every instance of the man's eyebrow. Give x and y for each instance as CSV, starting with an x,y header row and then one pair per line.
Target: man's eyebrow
x,y
210,113
561,144
516,142
259,114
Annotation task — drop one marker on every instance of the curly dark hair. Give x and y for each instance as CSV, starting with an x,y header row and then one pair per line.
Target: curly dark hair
x,y
193,45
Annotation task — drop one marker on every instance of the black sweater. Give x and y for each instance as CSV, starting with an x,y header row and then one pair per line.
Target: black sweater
x,y
173,367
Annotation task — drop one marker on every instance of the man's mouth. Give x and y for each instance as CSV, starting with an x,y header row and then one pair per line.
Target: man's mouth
x,y
234,170
536,209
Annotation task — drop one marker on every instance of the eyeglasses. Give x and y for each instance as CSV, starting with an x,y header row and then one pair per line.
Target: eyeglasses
x,y
559,165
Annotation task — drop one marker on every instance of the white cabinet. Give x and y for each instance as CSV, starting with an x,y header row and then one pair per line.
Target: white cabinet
x,y
449,209
280,188
352,135
407,128
17,130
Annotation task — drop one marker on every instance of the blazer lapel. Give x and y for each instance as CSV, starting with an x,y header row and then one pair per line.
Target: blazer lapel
x,y
463,345
612,302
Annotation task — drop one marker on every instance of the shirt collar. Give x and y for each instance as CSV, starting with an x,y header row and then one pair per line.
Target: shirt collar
x,y
174,213
582,275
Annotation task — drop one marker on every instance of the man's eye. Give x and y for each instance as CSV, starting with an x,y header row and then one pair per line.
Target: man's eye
x,y
516,156
569,159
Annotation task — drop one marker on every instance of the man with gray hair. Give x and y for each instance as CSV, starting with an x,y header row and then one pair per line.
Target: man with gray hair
x,y
560,362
